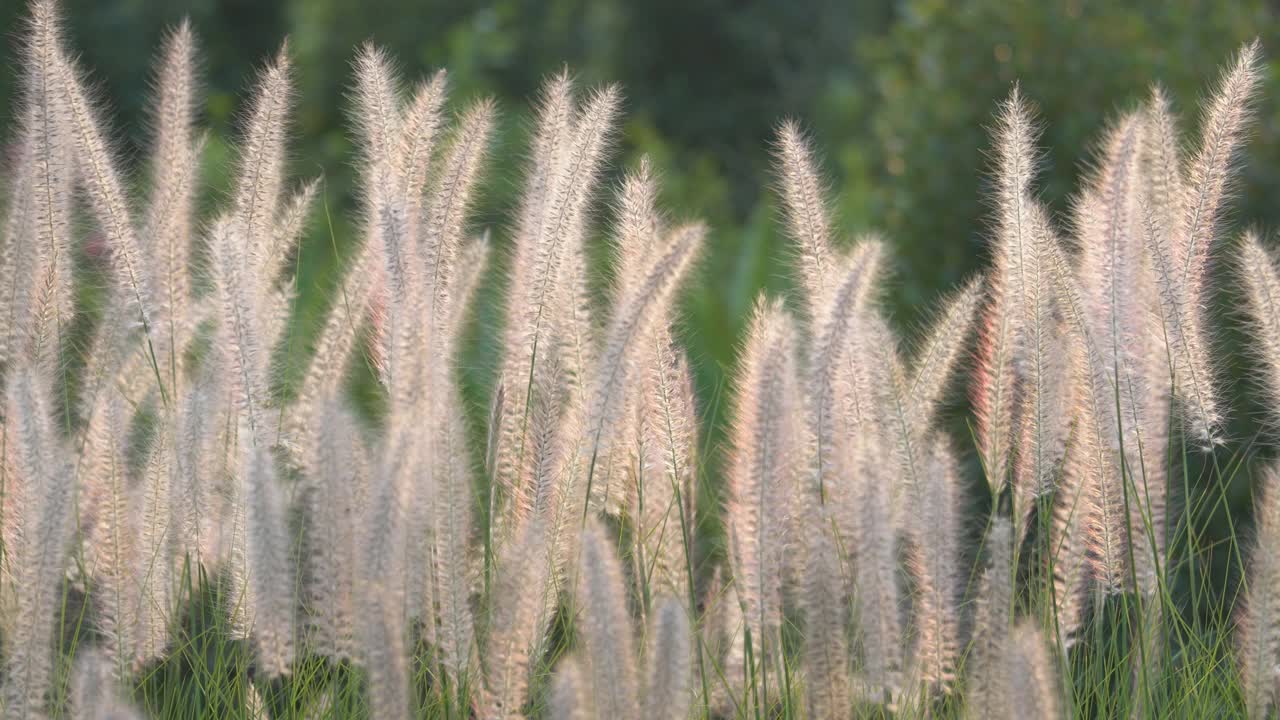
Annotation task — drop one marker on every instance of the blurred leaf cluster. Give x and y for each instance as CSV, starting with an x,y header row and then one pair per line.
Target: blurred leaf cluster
x,y
897,94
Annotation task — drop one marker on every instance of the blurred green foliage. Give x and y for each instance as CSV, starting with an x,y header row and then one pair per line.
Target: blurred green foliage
x,y
897,95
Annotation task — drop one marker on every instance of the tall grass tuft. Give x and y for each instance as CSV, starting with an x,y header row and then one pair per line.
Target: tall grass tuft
x,y
188,530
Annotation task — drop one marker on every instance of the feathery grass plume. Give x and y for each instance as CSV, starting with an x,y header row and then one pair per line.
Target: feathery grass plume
x,y
1085,538
451,199
15,254
551,134
1044,419
244,353
826,649
987,690
194,481
1162,163
113,534
38,247
549,483
269,608
646,513
645,304
385,658
356,299
1258,631
255,706
167,225
437,253
434,256
577,321
419,126
579,348
808,215
1257,269
399,337
423,307
575,176
155,573
606,627
1042,416
94,694
935,559
229,563
224,545
38,558
1149,485
877,456
260,169
275,315
178,312
1116,299
380,614
173,120
639,225
450,523
1033,676
558,419
1184,360
763,473
664,518
108,199
239,246
938,354
580,333
1071,524
384,529
531,445
1121,297
875,576
834,320
1162,189
377,116
569,699
14,504
561,470
568,154
1012,310
1210,177
451,528
637,233
670,657
334,498
516,626
1073,528
547,439
887,391
570,354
